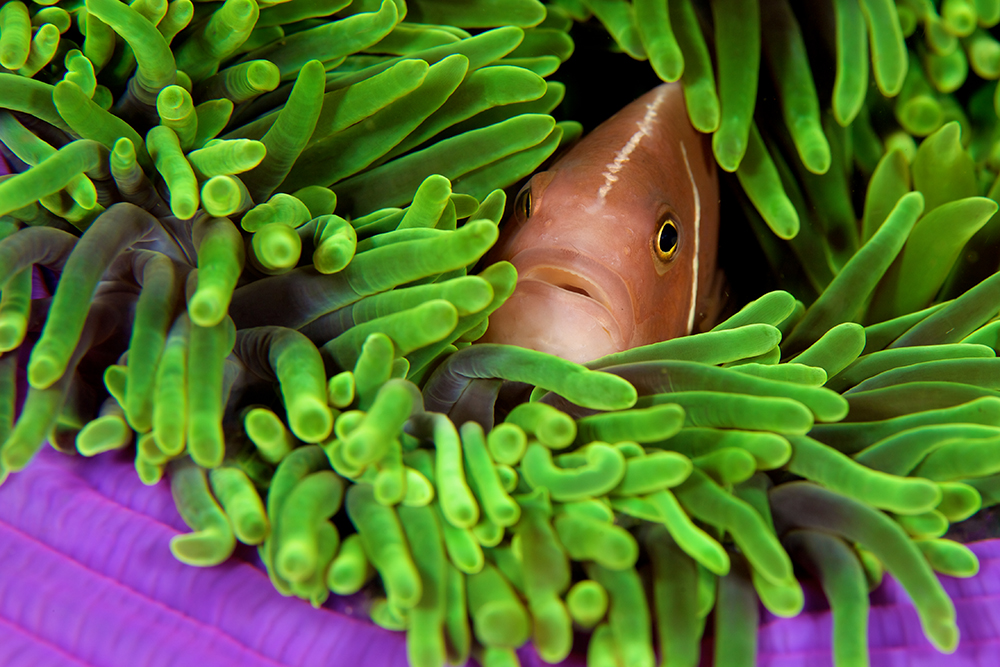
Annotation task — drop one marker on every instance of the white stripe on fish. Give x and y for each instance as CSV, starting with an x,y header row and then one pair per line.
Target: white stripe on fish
x,y
697,240
645,126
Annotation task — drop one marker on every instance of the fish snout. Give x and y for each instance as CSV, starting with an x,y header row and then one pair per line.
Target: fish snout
x,y
567,304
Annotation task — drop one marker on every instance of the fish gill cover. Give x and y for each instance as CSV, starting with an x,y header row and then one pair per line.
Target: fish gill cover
x,y
263,223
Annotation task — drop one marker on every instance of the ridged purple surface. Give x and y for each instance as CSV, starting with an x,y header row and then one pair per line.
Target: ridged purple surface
x,y
86,578
86,572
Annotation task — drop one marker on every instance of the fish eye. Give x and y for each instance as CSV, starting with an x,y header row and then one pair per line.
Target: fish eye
x,y
667,240
522,204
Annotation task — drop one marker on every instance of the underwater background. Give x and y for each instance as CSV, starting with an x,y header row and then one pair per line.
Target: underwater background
x,y
240,281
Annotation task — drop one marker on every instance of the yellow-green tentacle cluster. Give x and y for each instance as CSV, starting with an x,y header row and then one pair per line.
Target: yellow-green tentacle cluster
x,y
266,218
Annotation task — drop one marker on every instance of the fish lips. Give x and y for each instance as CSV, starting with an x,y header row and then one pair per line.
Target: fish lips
x,y
566,303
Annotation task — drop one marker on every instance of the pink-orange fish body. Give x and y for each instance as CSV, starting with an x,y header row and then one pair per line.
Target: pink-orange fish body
x,y
615,244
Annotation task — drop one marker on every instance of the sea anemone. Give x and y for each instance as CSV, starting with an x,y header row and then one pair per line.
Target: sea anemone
x,y
261,225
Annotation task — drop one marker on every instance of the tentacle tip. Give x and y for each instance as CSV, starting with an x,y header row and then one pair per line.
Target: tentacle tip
x,y
15,456
43,371
206,309
311,420
201,549
295,563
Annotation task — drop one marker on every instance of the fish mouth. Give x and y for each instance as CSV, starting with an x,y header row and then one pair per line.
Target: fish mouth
x,y
569,281
596,287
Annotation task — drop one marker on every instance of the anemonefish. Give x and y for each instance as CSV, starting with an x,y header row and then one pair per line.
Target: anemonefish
x,y
615,244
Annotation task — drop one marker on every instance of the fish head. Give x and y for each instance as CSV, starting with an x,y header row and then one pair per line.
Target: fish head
x,y
612,242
